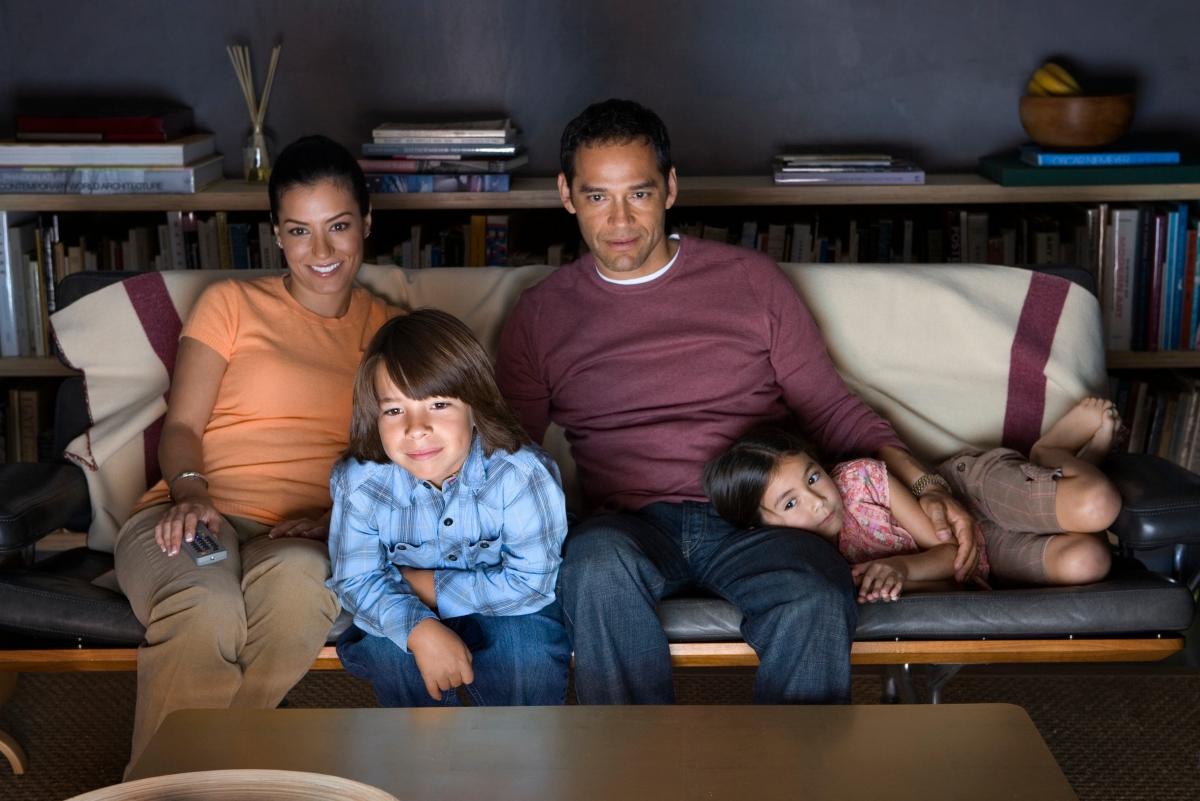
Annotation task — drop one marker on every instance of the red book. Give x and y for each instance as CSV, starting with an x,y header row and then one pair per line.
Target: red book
x,y
104,121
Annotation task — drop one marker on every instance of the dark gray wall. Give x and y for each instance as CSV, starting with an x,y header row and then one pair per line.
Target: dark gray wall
x,y
735,82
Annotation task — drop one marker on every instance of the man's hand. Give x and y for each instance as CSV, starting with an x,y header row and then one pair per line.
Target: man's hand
x,y
952,523
443,659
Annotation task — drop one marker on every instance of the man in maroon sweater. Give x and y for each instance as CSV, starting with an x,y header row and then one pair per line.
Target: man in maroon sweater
x,y
654,353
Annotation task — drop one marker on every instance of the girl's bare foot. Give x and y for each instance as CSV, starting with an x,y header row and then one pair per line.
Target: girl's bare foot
x,y
1086,431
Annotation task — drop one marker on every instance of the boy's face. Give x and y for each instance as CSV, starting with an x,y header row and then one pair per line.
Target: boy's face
x,y
430,438
802,495
621,199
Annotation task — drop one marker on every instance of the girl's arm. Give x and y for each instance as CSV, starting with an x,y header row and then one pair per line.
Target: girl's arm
x,y
883,579
194,385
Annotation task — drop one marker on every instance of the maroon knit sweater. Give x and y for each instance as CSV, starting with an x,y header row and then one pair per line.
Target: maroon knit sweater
x,y
651,381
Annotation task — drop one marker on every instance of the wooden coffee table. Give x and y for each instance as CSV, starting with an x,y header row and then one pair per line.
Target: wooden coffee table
x,y
876,753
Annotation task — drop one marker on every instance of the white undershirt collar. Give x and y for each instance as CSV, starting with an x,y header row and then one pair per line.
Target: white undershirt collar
x,y
645,279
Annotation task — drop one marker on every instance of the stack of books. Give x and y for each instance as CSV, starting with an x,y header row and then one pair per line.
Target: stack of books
x,y
118,148
457,156
1032,165
845,168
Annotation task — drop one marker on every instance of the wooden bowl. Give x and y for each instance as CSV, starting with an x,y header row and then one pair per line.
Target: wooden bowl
x,y
1076,121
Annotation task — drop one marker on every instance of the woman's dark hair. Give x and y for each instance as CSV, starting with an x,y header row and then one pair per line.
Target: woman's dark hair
x,y
614,121
736,480
427,354
311,159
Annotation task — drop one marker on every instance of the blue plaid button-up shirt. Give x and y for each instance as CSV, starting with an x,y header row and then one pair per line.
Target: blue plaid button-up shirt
x,y
493,535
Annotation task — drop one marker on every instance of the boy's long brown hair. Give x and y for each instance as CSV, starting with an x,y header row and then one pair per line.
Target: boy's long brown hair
x,y
429,353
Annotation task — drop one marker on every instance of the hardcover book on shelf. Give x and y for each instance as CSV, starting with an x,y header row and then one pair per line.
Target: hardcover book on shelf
x,y
433,166
1009,170
175,153
790,161
380,150
899,172
399,183
103,120
111,180
488,127
1038,156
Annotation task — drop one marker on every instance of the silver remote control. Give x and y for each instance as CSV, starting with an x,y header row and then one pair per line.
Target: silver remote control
x,y
204,547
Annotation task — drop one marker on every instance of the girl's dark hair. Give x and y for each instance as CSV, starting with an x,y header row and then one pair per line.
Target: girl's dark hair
x,y
736,480
427,354
614,121
311,159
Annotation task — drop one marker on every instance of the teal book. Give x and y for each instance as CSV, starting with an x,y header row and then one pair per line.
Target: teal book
x,y
1009,170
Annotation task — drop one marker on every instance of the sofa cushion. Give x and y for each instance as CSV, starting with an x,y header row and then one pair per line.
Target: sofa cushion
x,y
36,498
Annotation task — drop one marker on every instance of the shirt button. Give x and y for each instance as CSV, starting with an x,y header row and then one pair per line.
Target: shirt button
x,y
449,521
960,467
452,558
483,545
427,485
401,547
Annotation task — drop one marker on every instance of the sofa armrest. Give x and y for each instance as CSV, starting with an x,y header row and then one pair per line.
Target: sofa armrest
x,y
36,499
1161,501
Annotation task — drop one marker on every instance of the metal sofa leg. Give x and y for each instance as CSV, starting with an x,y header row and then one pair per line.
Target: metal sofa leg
x,y
9,746
899,685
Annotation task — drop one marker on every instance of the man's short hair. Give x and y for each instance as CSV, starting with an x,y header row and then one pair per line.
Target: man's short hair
x,y
614,121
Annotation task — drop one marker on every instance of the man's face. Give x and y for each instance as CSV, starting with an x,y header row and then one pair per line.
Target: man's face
x,y
621,201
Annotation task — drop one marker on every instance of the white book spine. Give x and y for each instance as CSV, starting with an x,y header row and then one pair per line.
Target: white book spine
x,y
178,259
1118,280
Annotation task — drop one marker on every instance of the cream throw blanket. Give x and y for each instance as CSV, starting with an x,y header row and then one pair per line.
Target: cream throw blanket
x,y
928,346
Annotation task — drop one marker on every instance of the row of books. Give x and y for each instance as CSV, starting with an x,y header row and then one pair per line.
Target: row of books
x,y
844,168
1149,288
35,257
1162,416
468,155
481,242
120,148
1010,235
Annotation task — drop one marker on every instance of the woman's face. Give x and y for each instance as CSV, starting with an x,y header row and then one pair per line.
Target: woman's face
x,y
321,232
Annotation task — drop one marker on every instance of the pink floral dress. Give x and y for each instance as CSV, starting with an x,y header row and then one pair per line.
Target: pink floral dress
x,y
868,529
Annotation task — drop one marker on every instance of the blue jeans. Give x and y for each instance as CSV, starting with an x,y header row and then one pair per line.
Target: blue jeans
x,y
517,660
793,588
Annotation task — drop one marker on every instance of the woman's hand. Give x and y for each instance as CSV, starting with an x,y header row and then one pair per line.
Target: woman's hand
x,y
179,524
302,527
442,657
879,580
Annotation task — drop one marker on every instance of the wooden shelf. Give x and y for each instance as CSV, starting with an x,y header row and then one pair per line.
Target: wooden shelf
x,y
1153,360
735,190
34,367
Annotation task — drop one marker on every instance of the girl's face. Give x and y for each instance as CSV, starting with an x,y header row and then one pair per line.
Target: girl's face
x,y
801,495
321,232
429,438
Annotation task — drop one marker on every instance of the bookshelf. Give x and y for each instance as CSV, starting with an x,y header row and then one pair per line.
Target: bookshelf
x,y
698,191
531,193
716,193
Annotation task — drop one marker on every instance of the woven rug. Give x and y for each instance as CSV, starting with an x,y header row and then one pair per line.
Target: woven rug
x,y
1117,735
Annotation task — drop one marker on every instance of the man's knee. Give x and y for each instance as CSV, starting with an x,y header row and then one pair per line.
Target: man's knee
x,y
601,554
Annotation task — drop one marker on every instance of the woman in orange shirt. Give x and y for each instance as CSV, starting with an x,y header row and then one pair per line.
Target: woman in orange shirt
x,y
259,410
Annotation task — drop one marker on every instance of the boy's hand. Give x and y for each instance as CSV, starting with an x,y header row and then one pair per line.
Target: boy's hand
x,y
878,581
443,659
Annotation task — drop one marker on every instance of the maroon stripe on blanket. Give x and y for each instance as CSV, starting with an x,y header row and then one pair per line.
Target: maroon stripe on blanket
x,y
1026,404
161,324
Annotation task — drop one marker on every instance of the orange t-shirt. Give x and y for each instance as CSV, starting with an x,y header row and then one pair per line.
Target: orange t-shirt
x,y
282,412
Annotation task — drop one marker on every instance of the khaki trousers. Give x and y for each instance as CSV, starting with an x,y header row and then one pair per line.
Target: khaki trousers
x,y
237,633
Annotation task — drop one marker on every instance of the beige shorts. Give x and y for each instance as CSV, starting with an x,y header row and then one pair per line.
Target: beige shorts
x,y
1013,500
